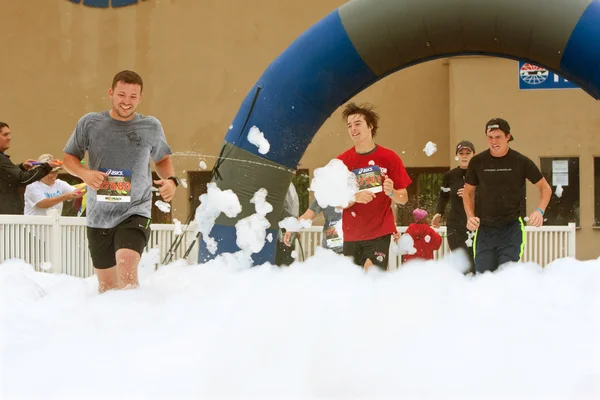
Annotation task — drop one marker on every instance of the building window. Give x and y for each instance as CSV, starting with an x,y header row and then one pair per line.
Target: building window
x,y
423,192
562,173
596,191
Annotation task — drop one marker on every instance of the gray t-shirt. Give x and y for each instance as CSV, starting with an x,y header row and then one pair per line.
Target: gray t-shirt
x,y
331,238
123,149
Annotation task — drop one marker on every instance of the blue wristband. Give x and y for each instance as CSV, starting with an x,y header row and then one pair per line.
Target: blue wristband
x,y
540,210
391,194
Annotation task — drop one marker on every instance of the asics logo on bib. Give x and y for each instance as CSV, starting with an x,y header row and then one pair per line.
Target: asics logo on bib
x,y
363,170
110,172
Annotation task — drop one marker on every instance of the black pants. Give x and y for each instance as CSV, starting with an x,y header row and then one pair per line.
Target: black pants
x,y
496,245
457,238
133,233
283,254
377,250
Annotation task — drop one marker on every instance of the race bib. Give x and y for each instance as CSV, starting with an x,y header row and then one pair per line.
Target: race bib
x,y
369,178
116,187
332,238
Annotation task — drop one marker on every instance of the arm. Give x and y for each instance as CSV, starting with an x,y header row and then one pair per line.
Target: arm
x,y
435,240
72,164
469,204
309,214
537,218
13,174
469,200
47,203
400,196
164,169
397,181
442,202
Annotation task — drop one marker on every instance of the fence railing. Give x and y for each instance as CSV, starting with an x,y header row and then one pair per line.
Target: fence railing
x,y
542,246
62,242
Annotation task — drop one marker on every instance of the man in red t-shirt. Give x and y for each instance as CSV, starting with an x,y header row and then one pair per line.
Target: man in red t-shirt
x,y
368,222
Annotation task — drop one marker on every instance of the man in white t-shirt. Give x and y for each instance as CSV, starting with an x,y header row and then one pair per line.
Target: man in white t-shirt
x,y
49,193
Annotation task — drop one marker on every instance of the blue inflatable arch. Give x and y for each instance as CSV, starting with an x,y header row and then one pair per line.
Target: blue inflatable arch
x,y
366,40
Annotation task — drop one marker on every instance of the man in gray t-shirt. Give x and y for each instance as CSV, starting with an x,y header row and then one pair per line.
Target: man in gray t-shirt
x,y
332,233
120,144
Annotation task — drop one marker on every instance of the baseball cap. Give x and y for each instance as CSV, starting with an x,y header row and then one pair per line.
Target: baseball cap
x,y
465,144
499,123
48,157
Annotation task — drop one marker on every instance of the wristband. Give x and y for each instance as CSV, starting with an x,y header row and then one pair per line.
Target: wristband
x,y
540,210
391,194
175,180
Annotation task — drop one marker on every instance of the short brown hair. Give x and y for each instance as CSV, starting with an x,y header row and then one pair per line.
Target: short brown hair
x,y
4,125
128,77
366,110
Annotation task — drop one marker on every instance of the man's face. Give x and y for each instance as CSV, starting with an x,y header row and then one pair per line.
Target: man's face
x,y
498,142
358,129
464,156
4,139
125,99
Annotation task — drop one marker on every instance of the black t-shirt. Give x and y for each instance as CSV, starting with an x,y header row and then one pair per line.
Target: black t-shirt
x,y
453,180
500,181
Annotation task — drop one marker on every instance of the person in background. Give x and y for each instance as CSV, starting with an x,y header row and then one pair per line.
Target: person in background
x,y
426,239
332,239
13,177
49,193
291,208
451,192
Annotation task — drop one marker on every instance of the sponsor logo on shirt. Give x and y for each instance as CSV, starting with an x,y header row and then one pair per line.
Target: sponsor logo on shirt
x,y
497,169
112,172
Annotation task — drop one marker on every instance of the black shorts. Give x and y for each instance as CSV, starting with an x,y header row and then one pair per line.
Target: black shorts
x,y
377,250
133,233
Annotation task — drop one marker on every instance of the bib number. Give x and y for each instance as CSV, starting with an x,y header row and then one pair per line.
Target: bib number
x,y
116,187
332,237
369,178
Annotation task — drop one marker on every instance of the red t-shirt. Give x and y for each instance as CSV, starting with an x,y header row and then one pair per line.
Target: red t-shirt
x,y
374,219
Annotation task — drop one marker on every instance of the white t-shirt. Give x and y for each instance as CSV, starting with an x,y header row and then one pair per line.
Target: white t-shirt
x,y
38,191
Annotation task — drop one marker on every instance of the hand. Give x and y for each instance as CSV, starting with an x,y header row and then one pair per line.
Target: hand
x,y
287,238
396,237
54,163
435,221
473,223
460,192
388,186
166,189
364,197
94,179
27,165
536,219
73,195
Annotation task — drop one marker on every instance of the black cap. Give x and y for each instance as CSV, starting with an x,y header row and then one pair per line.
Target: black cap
x,y
465,144
499,123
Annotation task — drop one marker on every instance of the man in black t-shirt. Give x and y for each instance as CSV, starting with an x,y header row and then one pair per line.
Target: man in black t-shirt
x,y
451,192
498,175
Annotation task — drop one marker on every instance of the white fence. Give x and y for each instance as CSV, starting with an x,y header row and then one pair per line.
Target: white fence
x,y
542,246
62,242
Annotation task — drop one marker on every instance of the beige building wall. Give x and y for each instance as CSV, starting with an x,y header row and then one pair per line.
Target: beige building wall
x,y
546,123
199,59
